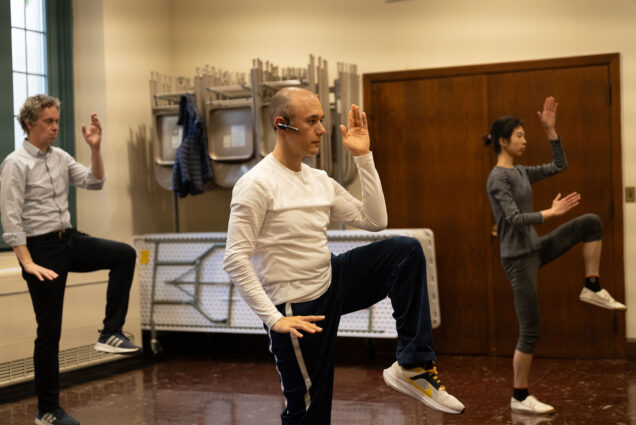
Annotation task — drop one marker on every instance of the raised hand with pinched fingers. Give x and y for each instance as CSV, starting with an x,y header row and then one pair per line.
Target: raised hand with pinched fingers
x,y
93,135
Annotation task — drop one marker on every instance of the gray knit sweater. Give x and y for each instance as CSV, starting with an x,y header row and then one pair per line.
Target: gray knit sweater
x,y
510,196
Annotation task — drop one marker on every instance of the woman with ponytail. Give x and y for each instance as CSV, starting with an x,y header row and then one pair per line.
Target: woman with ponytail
x,y
523,252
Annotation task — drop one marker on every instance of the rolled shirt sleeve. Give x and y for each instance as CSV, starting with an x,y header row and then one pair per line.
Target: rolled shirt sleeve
x,y
12,193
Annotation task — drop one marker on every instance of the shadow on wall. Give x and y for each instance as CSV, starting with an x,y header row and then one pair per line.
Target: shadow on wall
x,y
208,212
151,204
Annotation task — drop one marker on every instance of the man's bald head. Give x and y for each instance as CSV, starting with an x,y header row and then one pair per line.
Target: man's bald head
x,y
283,102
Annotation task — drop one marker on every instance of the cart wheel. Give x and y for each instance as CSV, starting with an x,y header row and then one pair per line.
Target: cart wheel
x,y
156,347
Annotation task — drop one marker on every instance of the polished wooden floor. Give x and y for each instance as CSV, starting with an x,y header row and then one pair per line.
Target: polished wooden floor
x,y
223,379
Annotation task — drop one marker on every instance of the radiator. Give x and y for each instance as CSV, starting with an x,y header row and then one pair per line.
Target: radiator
x,y
84,304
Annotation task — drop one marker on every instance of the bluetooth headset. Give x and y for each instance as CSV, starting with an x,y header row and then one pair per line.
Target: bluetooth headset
x,y
287,126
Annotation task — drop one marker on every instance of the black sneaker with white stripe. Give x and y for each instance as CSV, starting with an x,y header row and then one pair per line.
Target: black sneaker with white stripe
x,y
57,417
116,343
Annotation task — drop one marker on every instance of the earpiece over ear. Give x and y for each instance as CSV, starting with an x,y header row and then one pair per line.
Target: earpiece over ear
x,y
284,126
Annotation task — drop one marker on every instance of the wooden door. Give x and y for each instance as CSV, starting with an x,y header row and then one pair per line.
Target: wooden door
x,y
428,153
426,129
568,327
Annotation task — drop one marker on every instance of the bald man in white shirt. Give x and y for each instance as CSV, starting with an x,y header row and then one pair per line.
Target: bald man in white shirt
x,y
278,258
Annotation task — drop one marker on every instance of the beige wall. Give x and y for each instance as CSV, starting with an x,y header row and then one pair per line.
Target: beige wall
x,y
119,42
116,45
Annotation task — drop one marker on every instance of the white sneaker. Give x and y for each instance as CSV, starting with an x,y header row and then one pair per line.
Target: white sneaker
x,y
601,298
530,406
116,343
423,385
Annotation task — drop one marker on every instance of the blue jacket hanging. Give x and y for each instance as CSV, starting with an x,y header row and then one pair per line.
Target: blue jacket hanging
x,y
191,172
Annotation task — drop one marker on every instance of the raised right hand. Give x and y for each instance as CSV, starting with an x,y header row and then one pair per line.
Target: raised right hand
x,y
93,135
356,137
40,272
294,324
548,117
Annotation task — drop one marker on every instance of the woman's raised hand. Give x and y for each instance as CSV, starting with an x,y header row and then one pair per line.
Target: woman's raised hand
x,y
548,117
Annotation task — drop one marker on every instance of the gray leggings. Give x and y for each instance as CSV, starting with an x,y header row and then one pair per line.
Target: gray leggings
x,y
522,272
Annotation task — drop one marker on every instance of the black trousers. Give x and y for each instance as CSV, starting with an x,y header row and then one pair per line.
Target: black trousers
x,y
73,252
360,278
522,272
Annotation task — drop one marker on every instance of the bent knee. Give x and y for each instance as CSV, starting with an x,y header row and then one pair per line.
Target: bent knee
x,y
593,227
527,341
407,244
127,253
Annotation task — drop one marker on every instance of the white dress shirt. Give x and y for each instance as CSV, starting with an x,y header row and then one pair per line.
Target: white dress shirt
x,y
34,191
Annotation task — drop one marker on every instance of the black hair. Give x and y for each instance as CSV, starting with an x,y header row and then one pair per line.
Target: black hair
x,y
501,128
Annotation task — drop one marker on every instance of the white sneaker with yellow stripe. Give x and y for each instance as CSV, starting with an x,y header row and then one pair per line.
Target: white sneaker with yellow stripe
x,y
423,385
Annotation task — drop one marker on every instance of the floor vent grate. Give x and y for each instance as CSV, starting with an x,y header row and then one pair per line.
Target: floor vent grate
x,y
21,370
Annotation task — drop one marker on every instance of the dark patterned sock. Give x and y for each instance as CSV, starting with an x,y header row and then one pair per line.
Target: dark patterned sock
x,y
593,283
520,394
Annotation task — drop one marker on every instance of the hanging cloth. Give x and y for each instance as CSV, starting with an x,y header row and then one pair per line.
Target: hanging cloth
x,y
191,172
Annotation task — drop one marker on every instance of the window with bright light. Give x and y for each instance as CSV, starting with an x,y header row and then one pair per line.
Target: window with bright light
x,y
28,48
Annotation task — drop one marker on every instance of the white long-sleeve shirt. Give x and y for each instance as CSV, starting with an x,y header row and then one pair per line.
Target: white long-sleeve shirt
x,y
276,248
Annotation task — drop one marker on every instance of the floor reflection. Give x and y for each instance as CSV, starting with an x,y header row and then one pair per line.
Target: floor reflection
x,y
519,419
202,391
